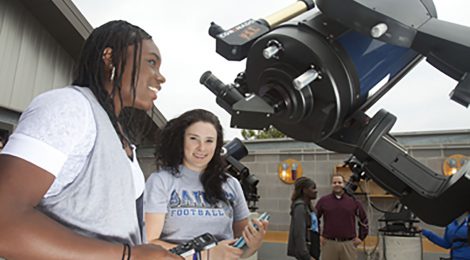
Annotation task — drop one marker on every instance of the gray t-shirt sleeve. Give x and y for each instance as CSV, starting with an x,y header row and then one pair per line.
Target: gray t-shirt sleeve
x,y
157,193
240,208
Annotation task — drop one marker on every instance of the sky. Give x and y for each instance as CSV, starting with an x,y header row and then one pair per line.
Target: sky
x,y
179,28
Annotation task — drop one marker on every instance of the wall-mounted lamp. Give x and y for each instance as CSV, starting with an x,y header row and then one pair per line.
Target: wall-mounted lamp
x,y
289,170
453,163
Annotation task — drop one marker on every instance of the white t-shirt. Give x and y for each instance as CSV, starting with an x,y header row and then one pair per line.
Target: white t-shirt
x,y
56,132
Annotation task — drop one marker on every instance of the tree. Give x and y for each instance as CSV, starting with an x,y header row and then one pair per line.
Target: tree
x,y
249,134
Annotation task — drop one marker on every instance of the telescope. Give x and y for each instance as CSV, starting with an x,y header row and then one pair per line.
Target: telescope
x,y
233,152
314,77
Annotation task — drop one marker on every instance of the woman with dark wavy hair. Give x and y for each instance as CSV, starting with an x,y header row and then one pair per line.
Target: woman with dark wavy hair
x,y
190,194
70,183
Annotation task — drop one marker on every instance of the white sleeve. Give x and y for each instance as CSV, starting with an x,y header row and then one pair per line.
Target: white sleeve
x,y
27,148
50,128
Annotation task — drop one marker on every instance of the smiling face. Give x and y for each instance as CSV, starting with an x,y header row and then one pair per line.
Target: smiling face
x,y
337,183
149,78
200,141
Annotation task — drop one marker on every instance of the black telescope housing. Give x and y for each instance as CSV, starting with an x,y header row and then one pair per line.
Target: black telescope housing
x,y
233,152
312,77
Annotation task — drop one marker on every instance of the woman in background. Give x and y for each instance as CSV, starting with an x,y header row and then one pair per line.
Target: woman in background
x,y
304,239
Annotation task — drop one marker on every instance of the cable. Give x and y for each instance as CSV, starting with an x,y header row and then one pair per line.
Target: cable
x,y
370,213
384,248
366,192
421,244
372,254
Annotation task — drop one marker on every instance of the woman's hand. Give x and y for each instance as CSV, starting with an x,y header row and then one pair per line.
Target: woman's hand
x,y
152,252
225,250
253,236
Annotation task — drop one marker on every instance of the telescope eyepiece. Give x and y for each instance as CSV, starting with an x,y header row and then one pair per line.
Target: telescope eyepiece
x,y
214,84
227,95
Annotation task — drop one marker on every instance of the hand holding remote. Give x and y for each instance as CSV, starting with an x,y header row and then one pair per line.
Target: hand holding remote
x,y
251,232
197,244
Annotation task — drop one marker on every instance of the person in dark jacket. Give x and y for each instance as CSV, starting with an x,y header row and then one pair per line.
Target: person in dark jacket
x,y
304,239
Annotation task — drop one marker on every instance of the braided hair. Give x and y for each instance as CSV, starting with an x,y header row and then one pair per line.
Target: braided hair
x,y
299,186
90,73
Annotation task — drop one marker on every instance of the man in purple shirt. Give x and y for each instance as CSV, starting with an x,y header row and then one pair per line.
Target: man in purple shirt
x,y
339,211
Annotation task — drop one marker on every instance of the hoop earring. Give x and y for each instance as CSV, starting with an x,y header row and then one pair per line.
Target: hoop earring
x,y
113,71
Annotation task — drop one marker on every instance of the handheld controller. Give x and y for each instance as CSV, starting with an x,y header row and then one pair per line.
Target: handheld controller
x,y
197,244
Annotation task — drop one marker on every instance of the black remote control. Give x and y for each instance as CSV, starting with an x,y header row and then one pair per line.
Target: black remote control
x,y
197,244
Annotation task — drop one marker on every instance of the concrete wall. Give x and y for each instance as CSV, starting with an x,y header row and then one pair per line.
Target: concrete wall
x,y
430,148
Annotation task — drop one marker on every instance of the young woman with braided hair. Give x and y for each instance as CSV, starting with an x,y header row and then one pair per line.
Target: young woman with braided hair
x,y
304,239
70,183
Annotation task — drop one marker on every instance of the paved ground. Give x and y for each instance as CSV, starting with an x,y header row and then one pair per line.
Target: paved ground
x,y
277,251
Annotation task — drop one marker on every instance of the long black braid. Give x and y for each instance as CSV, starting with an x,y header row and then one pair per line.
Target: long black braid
x,y
299,186
117,35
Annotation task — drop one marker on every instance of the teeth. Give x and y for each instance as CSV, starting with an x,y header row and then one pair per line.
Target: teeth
x,y
154,89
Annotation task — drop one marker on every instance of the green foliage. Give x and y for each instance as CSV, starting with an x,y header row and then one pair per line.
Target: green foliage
x,y
249,134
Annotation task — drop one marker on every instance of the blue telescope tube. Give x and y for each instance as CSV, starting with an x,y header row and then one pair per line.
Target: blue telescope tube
x,y
373,59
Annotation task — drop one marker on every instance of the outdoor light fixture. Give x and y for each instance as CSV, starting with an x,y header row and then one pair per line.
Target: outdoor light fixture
x,y
453,163
289,170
